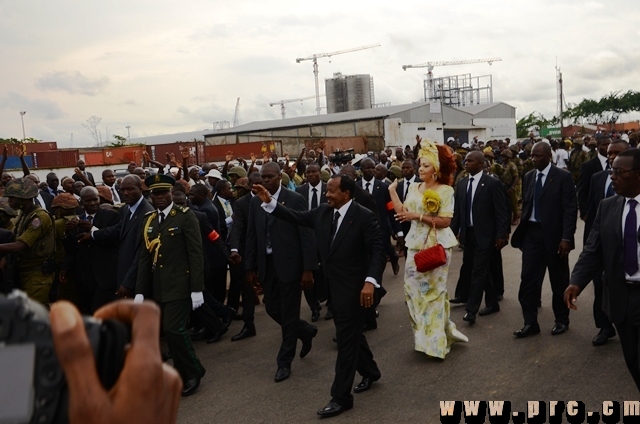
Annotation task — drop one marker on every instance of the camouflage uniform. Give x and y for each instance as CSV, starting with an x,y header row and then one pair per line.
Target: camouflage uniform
x,y
34,228
576,159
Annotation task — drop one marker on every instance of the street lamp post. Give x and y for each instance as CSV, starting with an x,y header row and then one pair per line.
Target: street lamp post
x,y
22,112
128,127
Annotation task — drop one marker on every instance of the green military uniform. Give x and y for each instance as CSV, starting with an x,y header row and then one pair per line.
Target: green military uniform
x,y
35,229
170,269
576,159
7,214
510,178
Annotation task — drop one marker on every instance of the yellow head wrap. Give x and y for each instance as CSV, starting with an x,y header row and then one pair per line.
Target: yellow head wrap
x,y
429,152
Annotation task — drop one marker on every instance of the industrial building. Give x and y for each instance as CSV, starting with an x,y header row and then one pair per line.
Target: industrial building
x,y
371,129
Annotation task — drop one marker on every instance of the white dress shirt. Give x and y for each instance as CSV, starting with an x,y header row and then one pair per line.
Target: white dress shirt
x,y
474,187
370,182
545,172
317,194
603,161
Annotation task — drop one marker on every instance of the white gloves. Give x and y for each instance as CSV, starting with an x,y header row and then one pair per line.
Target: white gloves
x,y
138,299
197,300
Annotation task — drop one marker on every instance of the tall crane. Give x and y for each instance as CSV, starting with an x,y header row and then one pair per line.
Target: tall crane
x,y
317,56
282,103
431,65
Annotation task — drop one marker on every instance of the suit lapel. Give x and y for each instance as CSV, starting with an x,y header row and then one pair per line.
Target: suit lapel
x,y
617,213
548,181
344,227
479,188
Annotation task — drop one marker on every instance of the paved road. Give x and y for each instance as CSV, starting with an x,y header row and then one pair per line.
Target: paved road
x,y
239,387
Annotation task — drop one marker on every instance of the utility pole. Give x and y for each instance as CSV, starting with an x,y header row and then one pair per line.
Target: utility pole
x,y
128,127
22,119
561,103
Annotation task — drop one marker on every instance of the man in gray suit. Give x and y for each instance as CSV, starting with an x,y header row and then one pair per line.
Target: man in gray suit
x,y
613,246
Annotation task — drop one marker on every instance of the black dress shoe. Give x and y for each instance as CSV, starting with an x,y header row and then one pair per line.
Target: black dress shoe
x,y
469,317
333,409
603,336
282,374
328,315
201,334
527,330
489,310
190,386
364,385
216,337
559,328
315,315
249,330
396,268
457,301
230,316
307,343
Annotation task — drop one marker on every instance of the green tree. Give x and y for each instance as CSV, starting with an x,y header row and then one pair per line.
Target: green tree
x,y
607,110
120,141
534,119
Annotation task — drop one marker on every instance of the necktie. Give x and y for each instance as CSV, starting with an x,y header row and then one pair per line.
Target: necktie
x,y
608,167
314,198
631,240
469,201
406,188
116,198
90,219
161,217
226,205
536,197
610,191
367,187
334,225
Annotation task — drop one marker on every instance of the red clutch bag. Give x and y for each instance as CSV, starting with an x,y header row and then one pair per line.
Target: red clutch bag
x,y
432,257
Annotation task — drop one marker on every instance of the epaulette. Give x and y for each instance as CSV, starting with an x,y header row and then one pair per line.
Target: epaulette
x,y
184,209
150,212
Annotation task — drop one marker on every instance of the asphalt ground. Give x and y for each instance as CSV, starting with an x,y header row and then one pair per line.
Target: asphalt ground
x,y
493,365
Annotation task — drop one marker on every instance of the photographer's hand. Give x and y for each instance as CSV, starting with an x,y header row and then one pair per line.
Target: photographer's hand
x,y
144,379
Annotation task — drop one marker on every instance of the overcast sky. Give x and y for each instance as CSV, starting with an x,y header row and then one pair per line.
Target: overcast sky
x,y
171,66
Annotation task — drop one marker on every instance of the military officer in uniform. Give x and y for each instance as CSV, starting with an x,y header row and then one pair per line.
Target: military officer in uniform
x,y
34,244
171,270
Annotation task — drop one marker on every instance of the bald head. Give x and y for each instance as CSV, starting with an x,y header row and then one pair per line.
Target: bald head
x,y
349,170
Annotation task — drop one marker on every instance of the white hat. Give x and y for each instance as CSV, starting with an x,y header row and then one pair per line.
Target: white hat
x,y
450,139
214,173
465,145
625,137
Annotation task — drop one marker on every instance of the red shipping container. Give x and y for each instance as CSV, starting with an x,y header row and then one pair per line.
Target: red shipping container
x,y
217,152
44,146
56,159
158,151
122,155
92,158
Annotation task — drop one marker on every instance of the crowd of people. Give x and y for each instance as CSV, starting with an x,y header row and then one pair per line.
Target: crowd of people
x,y
205,242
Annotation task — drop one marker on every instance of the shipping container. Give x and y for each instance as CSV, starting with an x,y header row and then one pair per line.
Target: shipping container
x,y
15,149
158,152
13,162
56,159
122,155
92,157
358,144
217,153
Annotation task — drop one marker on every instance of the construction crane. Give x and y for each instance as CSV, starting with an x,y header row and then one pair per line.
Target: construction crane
x,y
431,65
282,103
236,115
317,56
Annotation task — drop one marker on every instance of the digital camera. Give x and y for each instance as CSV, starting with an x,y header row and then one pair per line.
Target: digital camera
x,y
33,388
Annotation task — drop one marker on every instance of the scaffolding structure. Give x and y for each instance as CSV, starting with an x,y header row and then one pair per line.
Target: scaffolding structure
x,y
459,90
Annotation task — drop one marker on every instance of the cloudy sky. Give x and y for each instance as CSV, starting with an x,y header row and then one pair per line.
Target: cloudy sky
x,y
170,66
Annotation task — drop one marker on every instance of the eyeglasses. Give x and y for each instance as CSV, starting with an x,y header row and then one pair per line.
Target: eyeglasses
x,y
618,171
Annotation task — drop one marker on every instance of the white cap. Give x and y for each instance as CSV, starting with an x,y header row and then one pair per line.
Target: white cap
x,y
214,173
465,145
451,139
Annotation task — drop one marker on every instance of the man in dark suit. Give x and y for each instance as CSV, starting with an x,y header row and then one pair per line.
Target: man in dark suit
x,y
481,222
545,236
599,189
350,247
88,175
380,192
282,257
408,177
587,170
314,192
109,180
92,263
613,246
127,233
52,184
171,271
238,245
